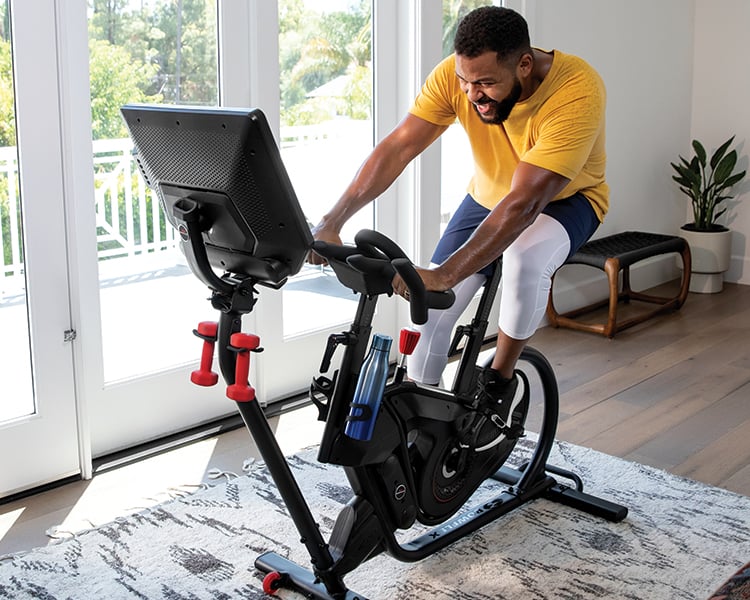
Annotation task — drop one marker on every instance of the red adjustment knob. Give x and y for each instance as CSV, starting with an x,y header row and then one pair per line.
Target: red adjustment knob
x,y
407,340
240,390
204,375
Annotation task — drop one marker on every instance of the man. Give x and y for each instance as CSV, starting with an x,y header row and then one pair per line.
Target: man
x,y
535,122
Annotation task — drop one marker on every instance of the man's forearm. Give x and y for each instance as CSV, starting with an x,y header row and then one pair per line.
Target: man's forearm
x,y
531,190
499,229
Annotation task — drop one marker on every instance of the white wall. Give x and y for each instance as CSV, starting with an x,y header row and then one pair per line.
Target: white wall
x,y
721,105
675,70
644,52
648,84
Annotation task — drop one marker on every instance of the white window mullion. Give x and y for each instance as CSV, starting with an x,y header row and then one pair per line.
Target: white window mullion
x,y
386,15
78,185
249,78
248,56
426,45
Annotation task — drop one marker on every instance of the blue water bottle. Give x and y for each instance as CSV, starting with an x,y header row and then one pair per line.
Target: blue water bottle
x,y
367,395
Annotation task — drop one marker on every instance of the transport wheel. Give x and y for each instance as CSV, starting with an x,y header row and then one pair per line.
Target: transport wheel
x,y
272,582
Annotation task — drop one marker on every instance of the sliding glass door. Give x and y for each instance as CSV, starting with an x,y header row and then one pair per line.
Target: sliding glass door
x,y
96,297
149,301
160,52
326,131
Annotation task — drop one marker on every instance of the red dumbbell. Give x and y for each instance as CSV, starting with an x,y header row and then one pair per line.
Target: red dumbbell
x,y
243,344
204,375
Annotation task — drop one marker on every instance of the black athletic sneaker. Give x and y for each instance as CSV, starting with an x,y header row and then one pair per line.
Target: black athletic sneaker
x,y
496,401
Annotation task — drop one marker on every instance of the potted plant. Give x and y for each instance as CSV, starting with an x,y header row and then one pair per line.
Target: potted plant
x,y
707,184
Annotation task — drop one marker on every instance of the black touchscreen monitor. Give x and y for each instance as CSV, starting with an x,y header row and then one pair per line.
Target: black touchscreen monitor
x,y
227,162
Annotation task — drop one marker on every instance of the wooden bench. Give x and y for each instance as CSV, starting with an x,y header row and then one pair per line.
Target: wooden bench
x,y
617,253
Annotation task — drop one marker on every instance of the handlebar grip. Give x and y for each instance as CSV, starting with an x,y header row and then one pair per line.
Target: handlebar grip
x,y
333,251
420,300
441,300
376,244
367,264
379,256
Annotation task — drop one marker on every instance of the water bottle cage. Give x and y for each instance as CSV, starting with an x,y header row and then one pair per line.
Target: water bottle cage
x,y
364,414
321,392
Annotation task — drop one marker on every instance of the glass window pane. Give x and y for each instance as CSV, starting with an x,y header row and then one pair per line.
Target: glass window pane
x,y
326,133
15,355
160,51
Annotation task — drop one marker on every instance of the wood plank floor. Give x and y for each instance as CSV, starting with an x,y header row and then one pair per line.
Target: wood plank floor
x,y
673,392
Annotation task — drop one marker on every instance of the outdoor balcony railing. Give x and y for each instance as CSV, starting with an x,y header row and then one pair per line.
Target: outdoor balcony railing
x,y
129,218
10,219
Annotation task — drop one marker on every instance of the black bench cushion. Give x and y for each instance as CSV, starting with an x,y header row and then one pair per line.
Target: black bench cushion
x,y
629,247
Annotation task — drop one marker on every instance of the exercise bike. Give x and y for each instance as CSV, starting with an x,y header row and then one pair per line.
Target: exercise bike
x,y
418,467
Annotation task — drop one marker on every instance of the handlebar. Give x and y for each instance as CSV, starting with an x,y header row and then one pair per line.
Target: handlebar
x,y
377,256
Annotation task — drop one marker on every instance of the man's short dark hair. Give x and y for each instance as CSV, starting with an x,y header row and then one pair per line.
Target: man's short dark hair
x,y
495,29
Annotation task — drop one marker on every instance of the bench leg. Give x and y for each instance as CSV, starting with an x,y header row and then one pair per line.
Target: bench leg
x,y
612,269
567,319
611,327
687,266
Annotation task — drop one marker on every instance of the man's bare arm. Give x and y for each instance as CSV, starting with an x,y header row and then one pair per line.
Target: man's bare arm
x,y
381,168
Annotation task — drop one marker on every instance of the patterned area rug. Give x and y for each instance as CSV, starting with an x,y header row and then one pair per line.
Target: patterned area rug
x,y
681,539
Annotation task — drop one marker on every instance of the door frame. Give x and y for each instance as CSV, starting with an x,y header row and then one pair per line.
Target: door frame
x,y
45,443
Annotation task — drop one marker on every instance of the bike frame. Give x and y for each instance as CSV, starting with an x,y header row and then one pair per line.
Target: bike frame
x,y
366,525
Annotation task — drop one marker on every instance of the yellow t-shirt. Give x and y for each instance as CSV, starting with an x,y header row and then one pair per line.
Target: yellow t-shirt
x,y
560,127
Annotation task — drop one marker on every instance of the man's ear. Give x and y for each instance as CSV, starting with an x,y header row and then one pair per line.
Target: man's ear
x,y
525,65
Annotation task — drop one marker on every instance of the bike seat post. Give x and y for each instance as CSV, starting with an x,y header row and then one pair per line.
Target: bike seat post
x,y
465,379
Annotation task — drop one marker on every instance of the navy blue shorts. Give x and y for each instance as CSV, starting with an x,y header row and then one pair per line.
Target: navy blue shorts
x,y
575,214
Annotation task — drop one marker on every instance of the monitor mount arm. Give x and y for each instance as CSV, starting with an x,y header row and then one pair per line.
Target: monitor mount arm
x,y
231,295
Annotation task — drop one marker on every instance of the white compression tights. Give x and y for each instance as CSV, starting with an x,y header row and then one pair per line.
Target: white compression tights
x,y
528,265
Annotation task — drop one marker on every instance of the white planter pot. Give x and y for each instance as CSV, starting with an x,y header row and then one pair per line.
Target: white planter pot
x,y
710,253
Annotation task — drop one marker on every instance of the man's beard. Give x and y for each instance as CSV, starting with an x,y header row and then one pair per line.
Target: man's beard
x,y
503,107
